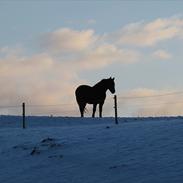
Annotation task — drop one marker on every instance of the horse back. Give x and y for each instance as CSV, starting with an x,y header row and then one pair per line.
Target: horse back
x,y
83,90
89,94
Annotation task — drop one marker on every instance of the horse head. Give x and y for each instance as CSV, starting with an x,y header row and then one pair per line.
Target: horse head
x,y
111,85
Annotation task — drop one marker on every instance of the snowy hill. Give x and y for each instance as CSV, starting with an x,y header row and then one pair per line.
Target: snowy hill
x,y
75,150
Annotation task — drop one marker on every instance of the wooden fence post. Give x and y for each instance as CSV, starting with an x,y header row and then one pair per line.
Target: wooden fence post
x,y
23,115
115,109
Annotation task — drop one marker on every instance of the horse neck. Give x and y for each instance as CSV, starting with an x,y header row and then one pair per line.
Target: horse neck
x,y
101,87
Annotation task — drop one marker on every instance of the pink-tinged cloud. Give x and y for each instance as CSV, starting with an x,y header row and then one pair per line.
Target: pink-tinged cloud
x,y
162,55
67,40
38,79
150,33
105,55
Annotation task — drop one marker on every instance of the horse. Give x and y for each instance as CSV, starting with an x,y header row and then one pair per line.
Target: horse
x,y
94,95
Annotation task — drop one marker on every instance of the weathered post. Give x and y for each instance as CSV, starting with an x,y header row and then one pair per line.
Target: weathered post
x,y
23,115
115,109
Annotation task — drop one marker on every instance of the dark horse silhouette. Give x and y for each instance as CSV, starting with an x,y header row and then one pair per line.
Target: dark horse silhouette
x,y
94,95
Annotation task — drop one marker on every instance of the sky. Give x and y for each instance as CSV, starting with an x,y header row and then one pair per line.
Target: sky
x,y
48,48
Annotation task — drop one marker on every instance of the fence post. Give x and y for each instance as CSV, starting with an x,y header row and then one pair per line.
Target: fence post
x,y
23,115
115,109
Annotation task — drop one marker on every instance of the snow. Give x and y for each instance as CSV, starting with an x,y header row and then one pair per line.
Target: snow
x,y
75,150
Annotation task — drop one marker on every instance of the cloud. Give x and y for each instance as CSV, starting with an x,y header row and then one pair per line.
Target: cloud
x,y
149,34
67,40
105,55
39,79
6,50
162,54
85,49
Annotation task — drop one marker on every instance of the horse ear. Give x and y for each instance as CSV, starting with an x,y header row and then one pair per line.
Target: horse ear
x,y
111,78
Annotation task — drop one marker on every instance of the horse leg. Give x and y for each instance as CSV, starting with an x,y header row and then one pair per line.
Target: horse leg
x,y
100,109
82,108
94,109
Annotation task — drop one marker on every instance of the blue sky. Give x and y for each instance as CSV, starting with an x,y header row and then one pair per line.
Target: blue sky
x,y
138,42
28,19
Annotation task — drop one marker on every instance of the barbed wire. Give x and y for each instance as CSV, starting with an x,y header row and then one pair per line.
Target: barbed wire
x,y
157,104
150,96
10,106
108,101
49,105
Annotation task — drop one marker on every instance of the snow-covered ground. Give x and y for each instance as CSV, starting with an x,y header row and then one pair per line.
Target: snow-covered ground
x,y
75,150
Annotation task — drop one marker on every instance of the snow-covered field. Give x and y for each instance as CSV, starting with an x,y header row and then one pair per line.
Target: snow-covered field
x,y
75,150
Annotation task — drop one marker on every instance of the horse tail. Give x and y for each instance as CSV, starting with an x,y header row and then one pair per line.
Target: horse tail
x,y
85,110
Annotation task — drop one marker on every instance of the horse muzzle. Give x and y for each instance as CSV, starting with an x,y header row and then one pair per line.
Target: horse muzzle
x,y
112,91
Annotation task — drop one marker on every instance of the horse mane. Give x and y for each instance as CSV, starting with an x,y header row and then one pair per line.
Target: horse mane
x,y
99,83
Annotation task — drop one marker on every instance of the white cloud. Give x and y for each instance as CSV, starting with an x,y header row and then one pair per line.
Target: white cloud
x,y
105,55
162,54
67,40
16,50
86,49
38,79
149,34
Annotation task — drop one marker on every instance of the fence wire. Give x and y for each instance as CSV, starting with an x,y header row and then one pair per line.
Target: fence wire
x,y
71,109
